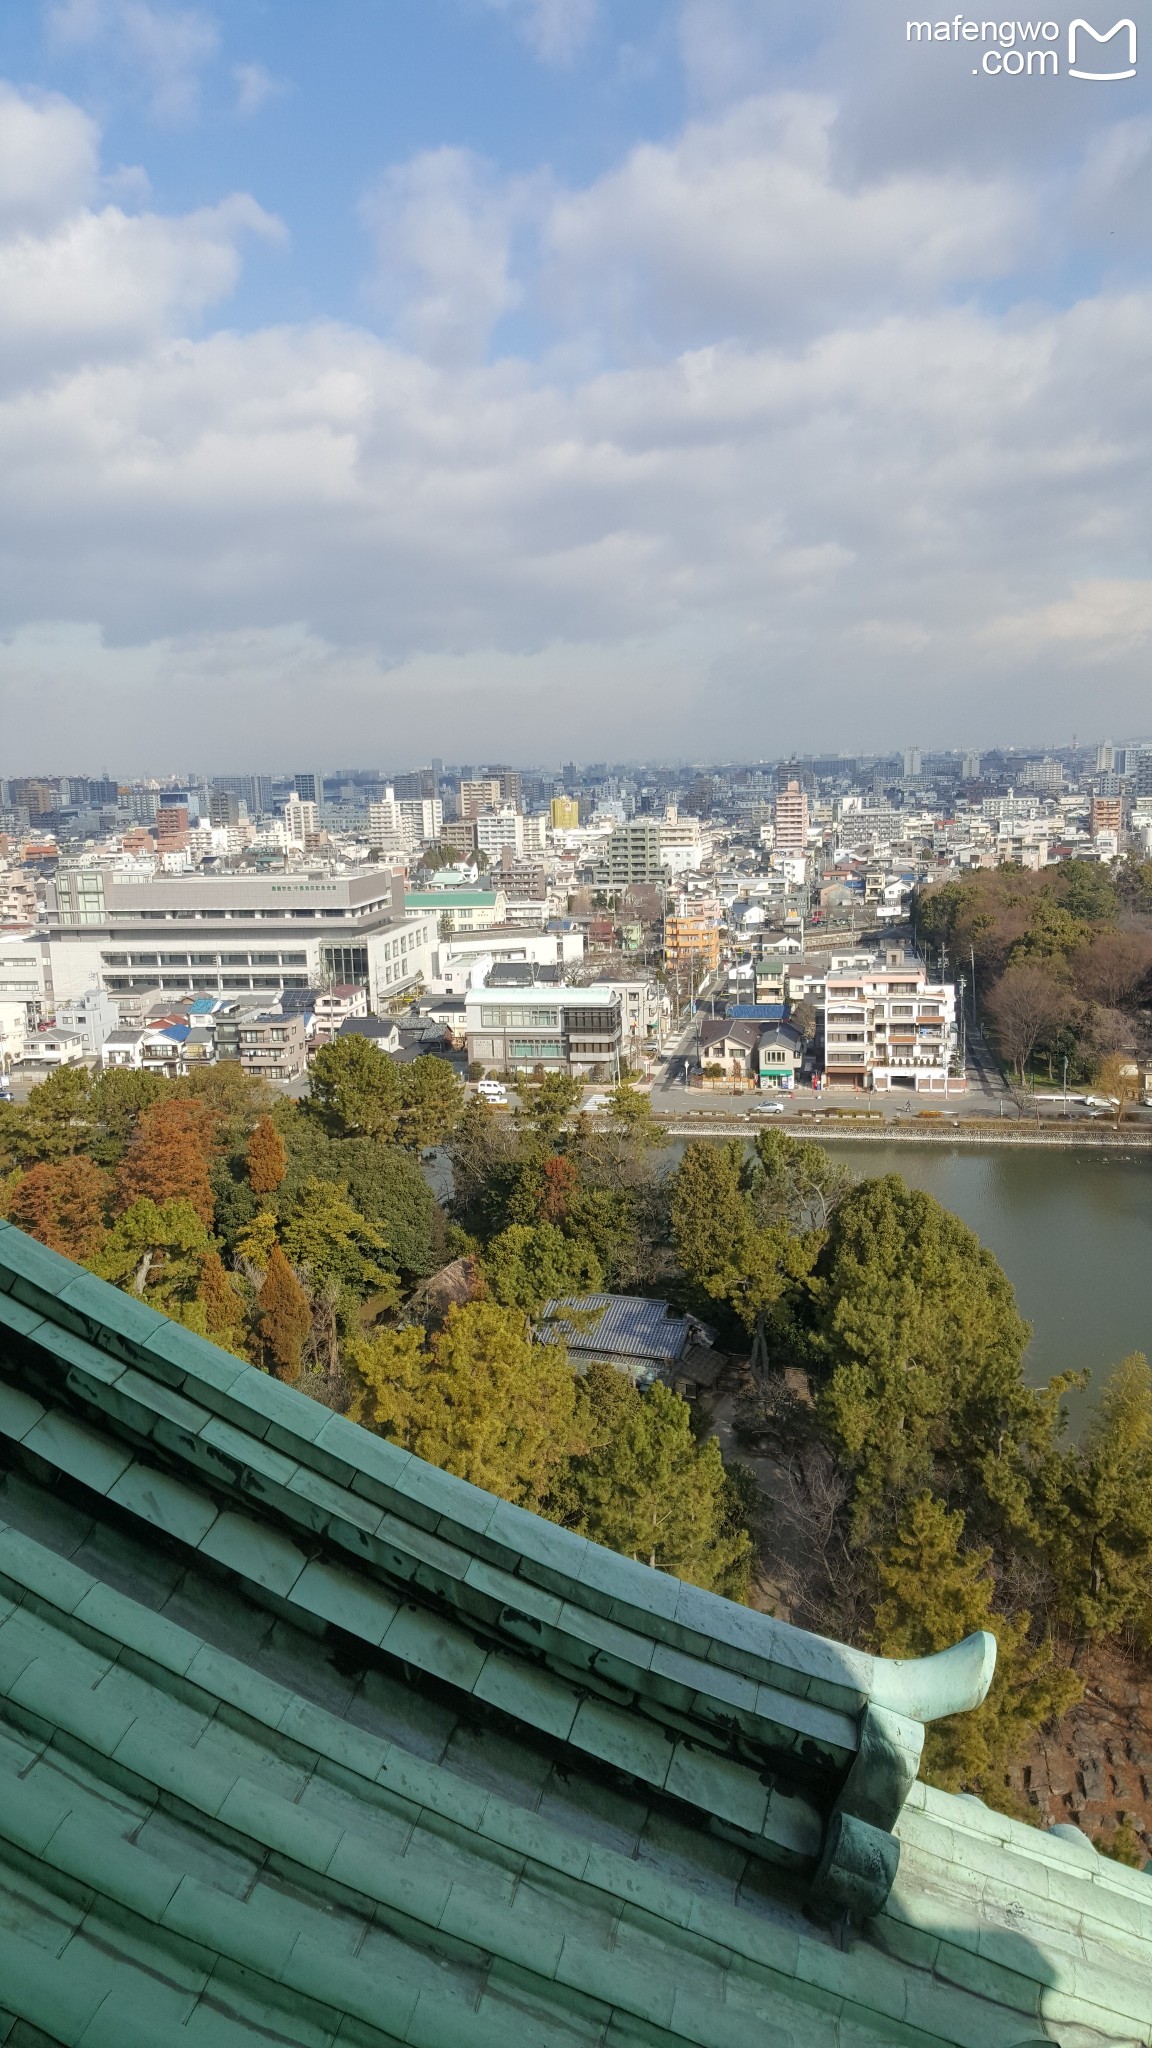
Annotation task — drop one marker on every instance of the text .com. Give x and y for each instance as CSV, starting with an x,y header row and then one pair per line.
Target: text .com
x,y
1031,49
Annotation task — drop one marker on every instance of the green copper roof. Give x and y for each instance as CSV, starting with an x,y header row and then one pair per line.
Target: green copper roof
x,y
302,1740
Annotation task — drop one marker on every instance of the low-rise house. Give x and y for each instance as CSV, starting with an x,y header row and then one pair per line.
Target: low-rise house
x,y
780,1056
648,1340
333,1007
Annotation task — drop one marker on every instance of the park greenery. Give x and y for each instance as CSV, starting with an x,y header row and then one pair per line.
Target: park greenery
x,y
1061,961
933,1491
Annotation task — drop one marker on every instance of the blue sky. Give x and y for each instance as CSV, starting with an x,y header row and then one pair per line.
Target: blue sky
x,y
531,378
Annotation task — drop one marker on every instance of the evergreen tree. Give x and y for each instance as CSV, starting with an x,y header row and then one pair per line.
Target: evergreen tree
x,y
647,1488
156,1250
546,1103
53,1123
284,1317
63,1206
386,1185
1099,1511
923,1347
169,1157
222,1304
325,1234
933,1593
525,1267
355,1089
431,1102
480,1400
266,1158
117,1099
725,1251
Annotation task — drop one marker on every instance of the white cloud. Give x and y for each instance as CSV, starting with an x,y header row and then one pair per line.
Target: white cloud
x,y
751,531
164,50
443,225
255,86
556,30
742,227
49,157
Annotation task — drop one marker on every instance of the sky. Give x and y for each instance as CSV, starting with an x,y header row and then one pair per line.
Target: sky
x,y
567,379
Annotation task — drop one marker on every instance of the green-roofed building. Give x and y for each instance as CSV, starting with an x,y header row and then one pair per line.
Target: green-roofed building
x,y
305,1742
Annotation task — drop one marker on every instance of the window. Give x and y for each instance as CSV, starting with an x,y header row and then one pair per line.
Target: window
x,y
145,960
173,959
203,959
265,959
535,1049
114,959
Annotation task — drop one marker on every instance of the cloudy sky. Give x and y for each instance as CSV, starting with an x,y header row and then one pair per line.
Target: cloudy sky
x,y
537,378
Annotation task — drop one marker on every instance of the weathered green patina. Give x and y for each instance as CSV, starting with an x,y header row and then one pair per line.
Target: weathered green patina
x,y
302,1740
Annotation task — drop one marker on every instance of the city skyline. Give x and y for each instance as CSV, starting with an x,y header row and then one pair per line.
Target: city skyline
x,y
531,379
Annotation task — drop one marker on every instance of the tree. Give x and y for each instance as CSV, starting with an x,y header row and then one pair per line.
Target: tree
x,y
1119,1077
647,1488
53,1123
117,1099
546,1103
355,1089
431,1102
922,1345
156,1250
722,1246
230,1091
1113,967
266,1158
325,1235
933,1593
284,1317
797,1182
803,1016
168,1159
222,1305
1025,1005
630,1114
63,1206
1099,1511
527,1266
387,1187
1089,891
480,1399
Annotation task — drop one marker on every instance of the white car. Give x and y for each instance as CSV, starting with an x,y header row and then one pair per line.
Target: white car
x,y
769,1109
492,1091
1100,1102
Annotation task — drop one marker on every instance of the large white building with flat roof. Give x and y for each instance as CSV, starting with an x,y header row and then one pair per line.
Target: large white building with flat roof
x,y
887,1027
235,934
564,1030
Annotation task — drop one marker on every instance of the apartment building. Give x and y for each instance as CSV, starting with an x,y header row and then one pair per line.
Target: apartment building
x,y
270,1044
564,1030
631,853
691,936
479,793
565,814
887,1027
1106,816
496,830
791,819
233,934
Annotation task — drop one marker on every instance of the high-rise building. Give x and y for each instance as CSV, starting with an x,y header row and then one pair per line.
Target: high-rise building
x,y
911,761
1105,759
970,768
309,786
224,808
299,821
479,793
791,819
632,853
565,814
1142,776
1106,815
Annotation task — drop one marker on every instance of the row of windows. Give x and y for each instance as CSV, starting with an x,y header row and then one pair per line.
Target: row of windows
x,y
201,984
495,1019
204,959
536,1049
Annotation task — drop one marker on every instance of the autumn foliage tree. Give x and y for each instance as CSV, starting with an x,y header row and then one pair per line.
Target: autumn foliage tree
x,y
169,1157
266,1158
284,1317
63,1206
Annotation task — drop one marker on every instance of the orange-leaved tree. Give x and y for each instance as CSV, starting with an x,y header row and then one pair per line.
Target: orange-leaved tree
x,y
222,1303
169,1157
63,1206
285,1317
266,1157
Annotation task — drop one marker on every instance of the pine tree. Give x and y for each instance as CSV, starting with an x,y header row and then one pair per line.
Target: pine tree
x,y
285,1317
431,1102
266,1158
222,1304
481,1400
933,1592
356,1089
1099,1519
646,1487
169,1157
156,1250
526,1267
63,1206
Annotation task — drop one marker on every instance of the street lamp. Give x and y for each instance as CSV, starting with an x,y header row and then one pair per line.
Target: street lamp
x,y
1065,1084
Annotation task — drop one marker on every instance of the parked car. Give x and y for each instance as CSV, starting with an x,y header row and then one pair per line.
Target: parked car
x,y
492,1091
769,1108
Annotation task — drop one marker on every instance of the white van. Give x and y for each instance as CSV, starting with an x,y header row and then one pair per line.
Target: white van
x,y
492,1091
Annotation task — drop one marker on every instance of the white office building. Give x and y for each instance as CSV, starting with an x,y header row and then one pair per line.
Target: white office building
x,y
235,934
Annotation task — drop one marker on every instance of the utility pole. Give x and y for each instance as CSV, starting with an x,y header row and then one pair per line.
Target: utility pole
x,y
1065,1084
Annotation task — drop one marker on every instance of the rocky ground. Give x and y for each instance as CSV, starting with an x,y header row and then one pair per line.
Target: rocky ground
x,y
1095,1767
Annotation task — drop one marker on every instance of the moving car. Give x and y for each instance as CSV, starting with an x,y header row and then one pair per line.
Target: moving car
x,y
769,1109
492,1091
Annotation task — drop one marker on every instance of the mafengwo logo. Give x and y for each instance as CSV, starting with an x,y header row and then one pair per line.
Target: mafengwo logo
x,y
1032,49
